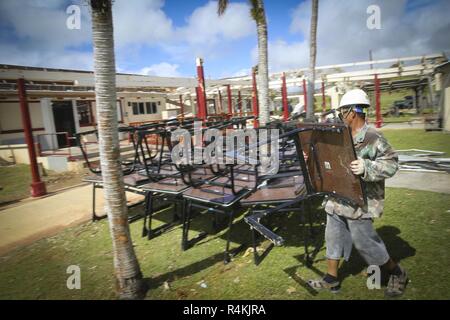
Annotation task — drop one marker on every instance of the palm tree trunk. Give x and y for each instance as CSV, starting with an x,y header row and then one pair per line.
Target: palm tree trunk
x,y
130,284
258,14
263,69
312,58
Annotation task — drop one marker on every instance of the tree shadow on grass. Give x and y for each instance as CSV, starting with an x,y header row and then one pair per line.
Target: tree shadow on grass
x,y
186,271
398,250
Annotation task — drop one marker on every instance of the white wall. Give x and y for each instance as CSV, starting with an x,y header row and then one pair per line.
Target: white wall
x,y
446,120
11,119
49,124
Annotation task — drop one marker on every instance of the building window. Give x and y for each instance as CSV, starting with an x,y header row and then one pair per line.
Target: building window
x,y
151,107
135,108
148,107
144,108
85,114
138,108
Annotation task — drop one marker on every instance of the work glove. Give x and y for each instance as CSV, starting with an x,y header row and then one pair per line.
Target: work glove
x,y
358,167
305,156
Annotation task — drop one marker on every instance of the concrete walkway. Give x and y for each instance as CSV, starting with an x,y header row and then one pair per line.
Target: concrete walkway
x,y
34,219
404,125
425,181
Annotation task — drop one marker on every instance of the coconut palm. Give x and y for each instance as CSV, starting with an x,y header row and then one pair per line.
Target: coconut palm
x,y
129,282
312,58
258,14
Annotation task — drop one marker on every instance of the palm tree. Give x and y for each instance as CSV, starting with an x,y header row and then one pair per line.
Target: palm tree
x,y
258,14
312,58
129,282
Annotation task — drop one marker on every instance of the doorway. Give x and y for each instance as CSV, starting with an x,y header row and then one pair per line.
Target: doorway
x,y
64,121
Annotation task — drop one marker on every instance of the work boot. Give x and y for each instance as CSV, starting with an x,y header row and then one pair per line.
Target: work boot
x,y
397,284
322,284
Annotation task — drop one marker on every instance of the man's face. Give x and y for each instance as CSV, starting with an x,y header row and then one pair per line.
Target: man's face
x,y
347,115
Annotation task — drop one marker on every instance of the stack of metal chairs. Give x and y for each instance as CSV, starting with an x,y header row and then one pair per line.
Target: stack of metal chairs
x,y
222,191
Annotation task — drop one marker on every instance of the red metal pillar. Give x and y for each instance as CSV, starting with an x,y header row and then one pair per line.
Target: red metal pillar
x,y
203,112
37,186
284,97
220,102
240,103
255,98
230,103
181,107
199,109
324,101
305,93
379,120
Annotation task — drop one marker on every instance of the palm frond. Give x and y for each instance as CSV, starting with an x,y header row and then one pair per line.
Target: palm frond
x,y
256,11
221,7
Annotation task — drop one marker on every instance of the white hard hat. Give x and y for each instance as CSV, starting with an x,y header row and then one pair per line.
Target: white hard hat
x,y
355,97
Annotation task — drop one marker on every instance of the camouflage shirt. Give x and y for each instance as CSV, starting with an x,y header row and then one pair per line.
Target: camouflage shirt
x,y
381,162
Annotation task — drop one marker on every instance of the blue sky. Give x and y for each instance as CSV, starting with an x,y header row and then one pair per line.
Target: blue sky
x,y
164,37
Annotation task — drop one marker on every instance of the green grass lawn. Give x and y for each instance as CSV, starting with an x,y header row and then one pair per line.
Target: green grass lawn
x,y
418,139
15,181
415,227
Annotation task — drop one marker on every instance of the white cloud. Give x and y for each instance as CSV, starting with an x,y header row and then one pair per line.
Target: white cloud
x,y
204,25
208,35
41,35
36,33
242,73
284,56
141,22
204,33
343,35
43,39
69,59
162,69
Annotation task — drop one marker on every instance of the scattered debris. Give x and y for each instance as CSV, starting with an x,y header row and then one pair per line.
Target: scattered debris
x,y
291,290
420,153
202,284
251,250
423,161
247,252
236,280
166,285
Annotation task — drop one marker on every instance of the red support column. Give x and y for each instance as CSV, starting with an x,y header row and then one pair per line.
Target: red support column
x,y
379,120
220,102
324,101
201,90
240,103
37,186
199,109
230,103
305,97
255,98
284,97
181,107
